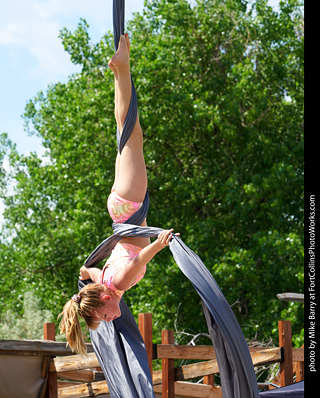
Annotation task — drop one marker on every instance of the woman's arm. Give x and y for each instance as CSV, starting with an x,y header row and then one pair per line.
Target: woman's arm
x,y
125,278
90,273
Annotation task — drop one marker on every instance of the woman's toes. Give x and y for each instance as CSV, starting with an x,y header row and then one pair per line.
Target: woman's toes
x,y
128,41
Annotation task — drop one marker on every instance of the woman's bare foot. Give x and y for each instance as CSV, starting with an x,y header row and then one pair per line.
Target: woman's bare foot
x,y
121,59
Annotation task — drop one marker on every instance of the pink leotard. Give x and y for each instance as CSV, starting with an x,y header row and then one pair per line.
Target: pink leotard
x,y
121,256
121,209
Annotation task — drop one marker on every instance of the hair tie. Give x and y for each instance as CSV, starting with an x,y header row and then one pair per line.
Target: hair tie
x,y
76,298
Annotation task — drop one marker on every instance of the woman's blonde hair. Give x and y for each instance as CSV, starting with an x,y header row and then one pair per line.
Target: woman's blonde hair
x,y
83,304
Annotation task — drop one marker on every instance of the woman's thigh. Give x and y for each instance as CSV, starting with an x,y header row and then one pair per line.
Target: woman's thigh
x,y
131,174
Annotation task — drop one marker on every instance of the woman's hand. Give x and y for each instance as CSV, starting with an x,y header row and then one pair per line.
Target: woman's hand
x,y
164,237
84,274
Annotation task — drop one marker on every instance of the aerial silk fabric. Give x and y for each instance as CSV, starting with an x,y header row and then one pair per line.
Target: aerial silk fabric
x,y
119,345
122,355
295,390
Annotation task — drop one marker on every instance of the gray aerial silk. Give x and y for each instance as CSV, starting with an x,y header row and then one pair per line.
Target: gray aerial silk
x,y
122,355
118,344
295,390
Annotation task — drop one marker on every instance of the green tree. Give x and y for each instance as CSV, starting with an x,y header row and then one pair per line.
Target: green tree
x,y
29,325
220,89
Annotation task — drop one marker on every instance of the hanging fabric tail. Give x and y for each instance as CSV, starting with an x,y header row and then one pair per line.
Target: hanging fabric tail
x,y
238,378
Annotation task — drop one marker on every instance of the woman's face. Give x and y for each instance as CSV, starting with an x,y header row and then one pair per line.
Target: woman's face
x,y
110,310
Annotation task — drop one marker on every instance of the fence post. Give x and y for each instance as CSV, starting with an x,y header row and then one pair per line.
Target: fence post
x,y
285,343
209,380
167,367
145,327
49,333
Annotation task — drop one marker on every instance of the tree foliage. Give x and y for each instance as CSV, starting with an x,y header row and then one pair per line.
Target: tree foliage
x,y
220,90
29,325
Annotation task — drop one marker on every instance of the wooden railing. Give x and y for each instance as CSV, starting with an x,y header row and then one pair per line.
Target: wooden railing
x,y
73,376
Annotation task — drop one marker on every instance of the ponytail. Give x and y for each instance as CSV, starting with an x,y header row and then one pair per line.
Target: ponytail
x,y
82,305
70,325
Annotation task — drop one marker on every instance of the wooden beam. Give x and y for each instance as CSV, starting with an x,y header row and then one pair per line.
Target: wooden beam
x,y
87,376
172,351
285,343
36,347
145,327
74,362
204,352
259,357
49,333
84,390
296,297
209,380
167,367
193,390
298,366
45,367
194,370
298,354
266,356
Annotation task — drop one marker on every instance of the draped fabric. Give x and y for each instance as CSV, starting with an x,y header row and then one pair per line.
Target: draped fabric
x,y
235,365
119,345
122,355
295,390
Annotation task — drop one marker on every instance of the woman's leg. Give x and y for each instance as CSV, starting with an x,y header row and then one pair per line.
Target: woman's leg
x,y
131,174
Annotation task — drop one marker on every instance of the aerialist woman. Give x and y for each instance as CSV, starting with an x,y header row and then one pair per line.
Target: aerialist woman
x,y
99,301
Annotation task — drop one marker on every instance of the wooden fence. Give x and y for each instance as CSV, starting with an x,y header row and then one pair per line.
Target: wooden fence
x,y
72,376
